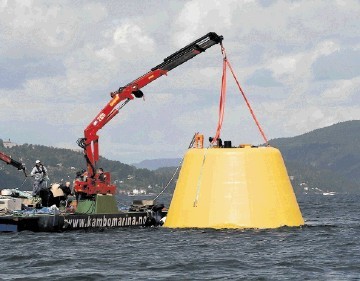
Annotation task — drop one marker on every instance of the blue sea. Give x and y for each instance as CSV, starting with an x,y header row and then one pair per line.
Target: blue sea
x,y
326,248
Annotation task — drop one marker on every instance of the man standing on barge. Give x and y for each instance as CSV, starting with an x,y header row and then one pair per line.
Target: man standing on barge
x,y
39,172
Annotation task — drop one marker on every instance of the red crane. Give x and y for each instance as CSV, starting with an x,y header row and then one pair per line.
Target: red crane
x,y
8,160
92,184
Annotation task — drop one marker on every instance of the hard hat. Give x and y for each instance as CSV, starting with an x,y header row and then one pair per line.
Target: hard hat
x,y
37,161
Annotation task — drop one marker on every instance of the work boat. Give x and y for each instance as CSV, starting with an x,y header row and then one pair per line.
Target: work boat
x,y
21,211
96,205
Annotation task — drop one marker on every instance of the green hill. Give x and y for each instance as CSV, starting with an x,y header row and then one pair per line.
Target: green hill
x,y
326,158
62,165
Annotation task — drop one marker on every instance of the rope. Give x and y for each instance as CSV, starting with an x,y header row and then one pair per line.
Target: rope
x,y
223,95
178,167
23,182
166,186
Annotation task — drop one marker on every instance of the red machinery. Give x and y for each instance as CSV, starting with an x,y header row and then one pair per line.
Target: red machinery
x,y
8,160
92,184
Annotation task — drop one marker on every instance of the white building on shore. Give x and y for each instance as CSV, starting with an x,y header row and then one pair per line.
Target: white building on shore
x,y
9,144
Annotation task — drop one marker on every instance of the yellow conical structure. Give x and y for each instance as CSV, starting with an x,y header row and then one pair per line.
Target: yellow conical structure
x,y
245,187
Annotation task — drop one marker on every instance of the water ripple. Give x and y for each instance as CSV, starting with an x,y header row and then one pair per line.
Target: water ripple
x,y
326,248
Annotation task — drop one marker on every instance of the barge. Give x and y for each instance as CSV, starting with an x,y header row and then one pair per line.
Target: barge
x,y
96,206
142,213
65,222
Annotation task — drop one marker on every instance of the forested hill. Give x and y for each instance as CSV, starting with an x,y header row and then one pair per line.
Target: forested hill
x,y
327,158
155,164
62,165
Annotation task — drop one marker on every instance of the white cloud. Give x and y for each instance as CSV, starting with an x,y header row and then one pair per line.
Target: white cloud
x,y
127,40
296,67
340,91
60,60
45,29
199,17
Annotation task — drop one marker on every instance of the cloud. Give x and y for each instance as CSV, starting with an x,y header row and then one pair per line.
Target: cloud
x,y
126,40
343,64
296,60
195,13
263,78
45,29
341,91
15,73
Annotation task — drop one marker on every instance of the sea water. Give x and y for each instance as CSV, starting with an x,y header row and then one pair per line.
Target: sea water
x,y
326,248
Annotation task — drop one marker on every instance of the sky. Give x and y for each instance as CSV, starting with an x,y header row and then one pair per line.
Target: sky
x,y
298,63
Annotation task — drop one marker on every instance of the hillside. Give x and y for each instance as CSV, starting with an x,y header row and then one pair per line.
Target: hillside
x,y
155,164
63,164
326,158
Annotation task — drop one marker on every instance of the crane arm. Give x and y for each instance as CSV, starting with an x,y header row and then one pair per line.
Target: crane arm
x,y
8,160
90,142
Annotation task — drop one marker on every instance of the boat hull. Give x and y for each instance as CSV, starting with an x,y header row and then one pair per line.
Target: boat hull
x,y
66,222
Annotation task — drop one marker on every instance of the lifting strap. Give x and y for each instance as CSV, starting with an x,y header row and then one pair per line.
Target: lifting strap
x,y
222,97
226,64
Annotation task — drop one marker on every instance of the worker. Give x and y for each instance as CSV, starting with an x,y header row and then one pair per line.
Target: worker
x,y
67,189
81,175
59,193
101,174
39,172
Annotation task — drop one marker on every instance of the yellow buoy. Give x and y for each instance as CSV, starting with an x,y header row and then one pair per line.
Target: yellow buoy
x,y
243,187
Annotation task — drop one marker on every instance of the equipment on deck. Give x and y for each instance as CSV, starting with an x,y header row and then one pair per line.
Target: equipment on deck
x,y
92,184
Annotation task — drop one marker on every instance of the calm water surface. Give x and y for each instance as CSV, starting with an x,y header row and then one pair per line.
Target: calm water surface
x,y
327,248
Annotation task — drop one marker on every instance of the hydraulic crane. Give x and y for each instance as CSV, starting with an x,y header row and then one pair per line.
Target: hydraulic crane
x,y
93,184
8,160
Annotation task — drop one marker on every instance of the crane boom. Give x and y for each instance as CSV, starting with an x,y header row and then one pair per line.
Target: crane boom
x,y
90,143
8,160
